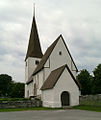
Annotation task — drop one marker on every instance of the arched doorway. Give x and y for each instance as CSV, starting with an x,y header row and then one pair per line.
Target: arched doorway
x,y
65,98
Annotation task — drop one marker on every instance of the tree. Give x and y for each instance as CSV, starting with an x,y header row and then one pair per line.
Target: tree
x,y
85,80
5,82
17,90
96,86
9,88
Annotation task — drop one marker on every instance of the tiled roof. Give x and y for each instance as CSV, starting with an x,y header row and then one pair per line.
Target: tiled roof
x,y
54,76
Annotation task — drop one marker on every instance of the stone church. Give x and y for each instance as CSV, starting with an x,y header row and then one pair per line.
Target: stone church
x,y
50,76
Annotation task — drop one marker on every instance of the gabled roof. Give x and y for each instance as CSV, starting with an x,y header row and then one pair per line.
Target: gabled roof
x,y
54,76
46,56
43,60
34,48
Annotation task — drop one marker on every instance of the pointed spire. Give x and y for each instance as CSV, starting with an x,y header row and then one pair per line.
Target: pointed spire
x,y
34,48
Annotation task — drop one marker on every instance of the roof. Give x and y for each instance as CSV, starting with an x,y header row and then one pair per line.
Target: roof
x,y
45,56
43,60
34,48
54,76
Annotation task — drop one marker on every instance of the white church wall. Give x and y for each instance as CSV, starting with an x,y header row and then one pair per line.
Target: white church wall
x,y
52,97
47,71
39,81
47,98
26,71
66,83
55,60
73,70
29,90
30,66
47,64
26,91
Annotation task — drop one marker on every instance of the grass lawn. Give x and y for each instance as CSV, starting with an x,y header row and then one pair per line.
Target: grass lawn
x,y
88,107
13,99
25,109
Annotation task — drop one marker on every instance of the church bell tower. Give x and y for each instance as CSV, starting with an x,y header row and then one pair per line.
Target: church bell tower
x,y
34,53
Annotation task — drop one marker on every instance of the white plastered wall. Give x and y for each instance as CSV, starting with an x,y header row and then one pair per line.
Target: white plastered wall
x,y
38,79
29,68
47,98
55,60
29,91
52,97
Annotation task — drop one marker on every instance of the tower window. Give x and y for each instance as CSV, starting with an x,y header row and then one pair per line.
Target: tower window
x,y
60,53
36,62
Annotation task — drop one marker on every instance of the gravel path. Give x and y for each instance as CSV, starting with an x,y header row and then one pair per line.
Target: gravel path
x,y
51,115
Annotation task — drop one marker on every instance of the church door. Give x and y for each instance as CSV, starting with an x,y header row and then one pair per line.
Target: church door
x,y
65,100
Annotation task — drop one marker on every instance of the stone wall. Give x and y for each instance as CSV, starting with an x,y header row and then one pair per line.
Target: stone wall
x,y
20,104
90,100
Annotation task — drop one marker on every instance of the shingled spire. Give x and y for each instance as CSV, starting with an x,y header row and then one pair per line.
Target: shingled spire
x,y
34,48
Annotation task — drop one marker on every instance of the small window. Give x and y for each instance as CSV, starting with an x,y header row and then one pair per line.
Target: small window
x,y
36,62
60,53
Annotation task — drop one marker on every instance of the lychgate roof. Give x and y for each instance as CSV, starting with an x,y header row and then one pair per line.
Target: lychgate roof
x,y
34,48
54,76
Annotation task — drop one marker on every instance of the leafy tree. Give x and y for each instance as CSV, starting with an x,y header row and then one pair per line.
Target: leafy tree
x,y
17,90
85,80
5,81
9,88
96,85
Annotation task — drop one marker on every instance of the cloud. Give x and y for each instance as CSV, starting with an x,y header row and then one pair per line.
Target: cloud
x,y
78,21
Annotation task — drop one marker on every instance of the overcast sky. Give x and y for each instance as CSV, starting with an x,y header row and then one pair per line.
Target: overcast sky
x,y
78,20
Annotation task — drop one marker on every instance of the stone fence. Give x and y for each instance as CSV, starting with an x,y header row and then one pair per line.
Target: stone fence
x,y
84,100
90,100
20,104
